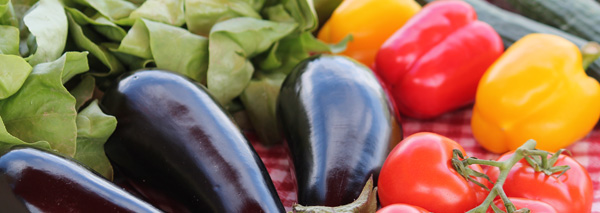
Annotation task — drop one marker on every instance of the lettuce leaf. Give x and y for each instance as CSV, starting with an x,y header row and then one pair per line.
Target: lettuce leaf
x,y
7,141
43,109
165,11
304,13
231,44
84,91
13,72
93,130
7,14
113,65
260,100
9,44
47,22
101,25
201,15
111,9
171,48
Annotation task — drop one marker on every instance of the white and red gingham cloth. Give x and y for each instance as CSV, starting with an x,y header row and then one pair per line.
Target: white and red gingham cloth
x,y
454,125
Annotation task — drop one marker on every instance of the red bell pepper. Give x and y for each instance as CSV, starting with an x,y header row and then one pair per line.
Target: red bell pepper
x,y
433,64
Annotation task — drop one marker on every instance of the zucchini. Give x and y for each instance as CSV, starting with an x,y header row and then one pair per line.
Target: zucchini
x,y
512,27
577,17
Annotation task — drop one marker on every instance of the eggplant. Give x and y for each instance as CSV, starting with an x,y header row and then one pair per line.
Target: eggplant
x,y
39,181
173,140
339,126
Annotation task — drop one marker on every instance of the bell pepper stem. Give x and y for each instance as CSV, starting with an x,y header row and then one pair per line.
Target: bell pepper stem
x,y
590,52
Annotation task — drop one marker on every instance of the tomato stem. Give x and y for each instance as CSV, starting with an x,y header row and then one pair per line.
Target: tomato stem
x,y
538,159
472,161
504,167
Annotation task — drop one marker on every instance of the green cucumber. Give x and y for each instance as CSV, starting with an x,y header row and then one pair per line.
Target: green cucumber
x,y
512,27
577,17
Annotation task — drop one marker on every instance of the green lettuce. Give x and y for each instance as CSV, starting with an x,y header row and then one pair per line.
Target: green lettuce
x,y
7,14
7,141
232,43
9,44
93,130
260,100
201,15
84,42
47,22
100,24
111,9
84,91
43,109
13,72
165,11
171,48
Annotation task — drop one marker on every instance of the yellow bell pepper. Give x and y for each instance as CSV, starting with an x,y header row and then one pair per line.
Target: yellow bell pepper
x,y
537,90
371,22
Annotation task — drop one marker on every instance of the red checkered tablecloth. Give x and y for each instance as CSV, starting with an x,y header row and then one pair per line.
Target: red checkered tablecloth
x,y
455,125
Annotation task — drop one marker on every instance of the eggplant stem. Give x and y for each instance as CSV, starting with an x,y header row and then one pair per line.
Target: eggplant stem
x,y
365,203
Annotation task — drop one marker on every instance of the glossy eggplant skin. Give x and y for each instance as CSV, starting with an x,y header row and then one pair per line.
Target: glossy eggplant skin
x,y
44,182
174,139
339,126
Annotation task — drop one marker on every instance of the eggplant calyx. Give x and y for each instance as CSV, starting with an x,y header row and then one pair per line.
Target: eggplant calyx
x,y
366,202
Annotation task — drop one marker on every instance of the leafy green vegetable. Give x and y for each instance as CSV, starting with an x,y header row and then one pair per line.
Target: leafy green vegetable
x,y
289,52
93,130
48,23
102,25
84,91
260,100
231,44
82,41
172,48
166,11
112,9
304,13
137,42
75,63
137,2
43,109
13,72
7,14
201,15
7,141
9,44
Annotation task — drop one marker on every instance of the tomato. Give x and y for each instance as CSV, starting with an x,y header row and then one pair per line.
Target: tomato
x,y
418,171
402,208
571,192
534,206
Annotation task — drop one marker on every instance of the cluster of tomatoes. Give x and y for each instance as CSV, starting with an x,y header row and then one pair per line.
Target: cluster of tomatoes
x,y
419,172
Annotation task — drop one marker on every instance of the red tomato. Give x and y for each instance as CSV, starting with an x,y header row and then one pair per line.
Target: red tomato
x,y
534,206
402,208
418,172
571,192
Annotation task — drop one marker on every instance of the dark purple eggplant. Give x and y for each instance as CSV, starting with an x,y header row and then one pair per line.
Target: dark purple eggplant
x,y
173,139
339,125
43,182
